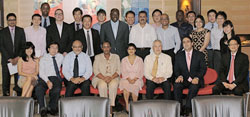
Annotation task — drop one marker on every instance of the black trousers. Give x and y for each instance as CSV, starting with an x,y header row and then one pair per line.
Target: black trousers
x,y
217,62
192,92
84,86
210,58
220,88
166,86
142,52
54,93
6,80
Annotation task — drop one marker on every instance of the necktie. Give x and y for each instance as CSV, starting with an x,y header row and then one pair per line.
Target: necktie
x,y
188,61
45,23
130,27
56,68
88,43
76,68
231,71
77,27
212,26
155,67
12,37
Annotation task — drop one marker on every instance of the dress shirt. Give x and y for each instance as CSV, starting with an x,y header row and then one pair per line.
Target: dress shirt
x,y
142,37
164,70
186,53
38,38
46,66
169,37
209,26
84,62
97,26
91,41
114,26
155,26
12,28
230,66
216,35
80,26
60,28
47,21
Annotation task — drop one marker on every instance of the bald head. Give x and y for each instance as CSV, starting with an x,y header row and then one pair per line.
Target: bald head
x,y
164,19
157,47
77,47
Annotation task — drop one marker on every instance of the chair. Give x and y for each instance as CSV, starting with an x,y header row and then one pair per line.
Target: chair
x,y
84,106
210,77
155,108
16,107
218,106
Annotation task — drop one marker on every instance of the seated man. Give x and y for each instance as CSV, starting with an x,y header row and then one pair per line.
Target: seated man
x,y
49,79
233,71
77,69
158,71
106,69
190,67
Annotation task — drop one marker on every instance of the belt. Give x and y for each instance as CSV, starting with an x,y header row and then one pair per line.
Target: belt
x,y
143,48
216,50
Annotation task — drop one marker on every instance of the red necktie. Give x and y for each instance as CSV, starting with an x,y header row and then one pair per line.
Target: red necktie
x,y
188,61
231,71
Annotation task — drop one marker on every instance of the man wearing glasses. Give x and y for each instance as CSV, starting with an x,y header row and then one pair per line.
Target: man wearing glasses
x,y
12,42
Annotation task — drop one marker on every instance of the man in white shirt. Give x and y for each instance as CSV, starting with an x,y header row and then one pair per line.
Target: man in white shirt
x,y
169,35
142,35
49,79
158,71
211,14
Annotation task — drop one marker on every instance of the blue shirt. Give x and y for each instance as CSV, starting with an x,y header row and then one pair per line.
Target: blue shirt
x,y
85,65
47,21
210,26
97,26
114,26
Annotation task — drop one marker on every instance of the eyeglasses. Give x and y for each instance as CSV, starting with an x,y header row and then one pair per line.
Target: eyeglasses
x,y
11,19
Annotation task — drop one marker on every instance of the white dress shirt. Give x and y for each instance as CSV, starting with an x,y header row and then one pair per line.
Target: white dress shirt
x,y
210,26
164,70
59,28
80,25
142,37
115,26
46,66
91,41
169,37
216,35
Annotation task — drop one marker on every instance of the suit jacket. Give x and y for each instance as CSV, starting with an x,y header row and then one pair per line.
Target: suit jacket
x,y
241,67
79,35
7,44
118,45
51,20
66,39
197,68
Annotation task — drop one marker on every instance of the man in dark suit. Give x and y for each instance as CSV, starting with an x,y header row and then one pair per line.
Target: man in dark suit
x,y
89,37
190,67
77,24
116,32
233,71
60,32
12,43
46,19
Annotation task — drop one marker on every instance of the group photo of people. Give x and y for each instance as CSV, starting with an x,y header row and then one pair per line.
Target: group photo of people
x,y
121,59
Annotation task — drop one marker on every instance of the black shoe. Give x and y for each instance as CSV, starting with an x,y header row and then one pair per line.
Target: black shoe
x,y
43,112
53,112
188,111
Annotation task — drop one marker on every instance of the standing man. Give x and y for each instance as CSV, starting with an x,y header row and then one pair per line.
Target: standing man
x,y
130,19
116,32
77,69
77,24
169,37
46,19
211,14
101,17
90,37
233,72
60,32
50,78
158,71
12,43
189,69
191,15
142,35
156,15
183,27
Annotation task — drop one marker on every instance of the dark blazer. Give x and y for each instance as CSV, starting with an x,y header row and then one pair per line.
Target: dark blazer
x,y
241,67
65,42
79,35
51,20
118,45
7,44
197,68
